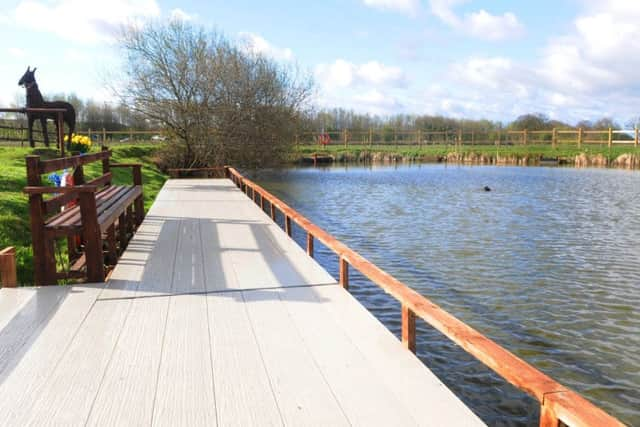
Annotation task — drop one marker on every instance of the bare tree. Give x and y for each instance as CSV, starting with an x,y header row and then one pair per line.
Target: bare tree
x,y
221,104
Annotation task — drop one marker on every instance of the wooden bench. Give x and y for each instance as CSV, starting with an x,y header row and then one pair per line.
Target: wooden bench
x,y
89,215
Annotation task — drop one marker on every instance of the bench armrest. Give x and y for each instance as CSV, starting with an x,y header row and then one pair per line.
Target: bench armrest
x,y
136,169
58,190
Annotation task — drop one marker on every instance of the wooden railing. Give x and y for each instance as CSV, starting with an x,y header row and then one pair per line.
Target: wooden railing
x,y
558,404
8,275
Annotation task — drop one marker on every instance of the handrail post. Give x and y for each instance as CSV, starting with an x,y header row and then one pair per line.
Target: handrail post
x,y
554,137
272,208
287,224
310,244
262,202
610,138
8,275
524,136
408,328
344,273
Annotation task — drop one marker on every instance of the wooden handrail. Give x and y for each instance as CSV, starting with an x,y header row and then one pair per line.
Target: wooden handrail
x,y
557,402
8,274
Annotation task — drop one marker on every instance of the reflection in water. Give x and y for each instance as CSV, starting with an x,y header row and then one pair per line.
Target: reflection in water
x,y
547,264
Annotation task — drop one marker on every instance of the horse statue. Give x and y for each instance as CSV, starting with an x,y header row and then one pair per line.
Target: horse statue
x,y
35,100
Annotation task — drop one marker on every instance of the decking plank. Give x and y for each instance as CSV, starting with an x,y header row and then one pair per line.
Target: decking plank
x,y
342,364
219,270
127,391
149,259
189,263
302,393
69,392
31,310
184,394
244,396
26,372
425,397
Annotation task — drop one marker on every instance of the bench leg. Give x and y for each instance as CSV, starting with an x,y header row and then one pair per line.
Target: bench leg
x,y
50,261
122,231
92,238
112,253
139,208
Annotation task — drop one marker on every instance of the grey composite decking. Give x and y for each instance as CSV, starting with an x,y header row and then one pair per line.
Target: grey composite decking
x,y
213,316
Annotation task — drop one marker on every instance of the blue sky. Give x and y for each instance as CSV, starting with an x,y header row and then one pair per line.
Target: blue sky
x,y
496,59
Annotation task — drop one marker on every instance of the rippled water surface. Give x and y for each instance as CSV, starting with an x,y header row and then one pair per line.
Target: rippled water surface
x,y
547,264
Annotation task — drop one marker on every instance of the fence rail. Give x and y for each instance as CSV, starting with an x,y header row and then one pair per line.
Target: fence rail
x,y
8,275
558,404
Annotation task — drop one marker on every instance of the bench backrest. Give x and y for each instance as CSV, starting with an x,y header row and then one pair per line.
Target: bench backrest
x,y
36,168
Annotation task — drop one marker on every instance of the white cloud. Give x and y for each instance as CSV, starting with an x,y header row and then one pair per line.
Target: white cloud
x,y
493,27
85,21
255,44
180,15
480,24
342,73
409,7
16,52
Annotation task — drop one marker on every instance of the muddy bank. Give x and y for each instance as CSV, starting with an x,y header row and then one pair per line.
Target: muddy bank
x,y
624,161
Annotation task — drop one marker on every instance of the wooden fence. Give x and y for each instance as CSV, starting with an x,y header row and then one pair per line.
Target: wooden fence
x,y
457,137
558,404
398,137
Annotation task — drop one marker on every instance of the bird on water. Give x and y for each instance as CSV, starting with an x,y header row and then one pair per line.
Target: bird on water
x,y
487,188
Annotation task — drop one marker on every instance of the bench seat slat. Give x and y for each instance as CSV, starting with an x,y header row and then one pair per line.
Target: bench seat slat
x,y
110,203
72,215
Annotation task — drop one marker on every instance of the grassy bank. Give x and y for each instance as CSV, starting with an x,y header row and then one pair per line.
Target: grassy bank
x,y
14,212
433,152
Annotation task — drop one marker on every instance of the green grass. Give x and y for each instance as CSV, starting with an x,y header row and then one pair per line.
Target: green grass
x,y
14,211
433,151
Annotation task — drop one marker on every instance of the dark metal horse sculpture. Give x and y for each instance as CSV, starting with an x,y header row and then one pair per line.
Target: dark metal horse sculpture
x,y
35,100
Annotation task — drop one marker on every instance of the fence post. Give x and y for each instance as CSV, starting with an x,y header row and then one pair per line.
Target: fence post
x,y
344,273
635,141
554,137
8,275
344,137
460,138
473,137
370,137
408,328
524,136
419,138
580,137
610,137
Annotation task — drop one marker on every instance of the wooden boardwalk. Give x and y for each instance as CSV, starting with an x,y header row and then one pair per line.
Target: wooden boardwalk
x,y
213,316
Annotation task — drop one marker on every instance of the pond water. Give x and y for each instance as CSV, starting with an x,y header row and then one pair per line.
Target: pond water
x,y
547,264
